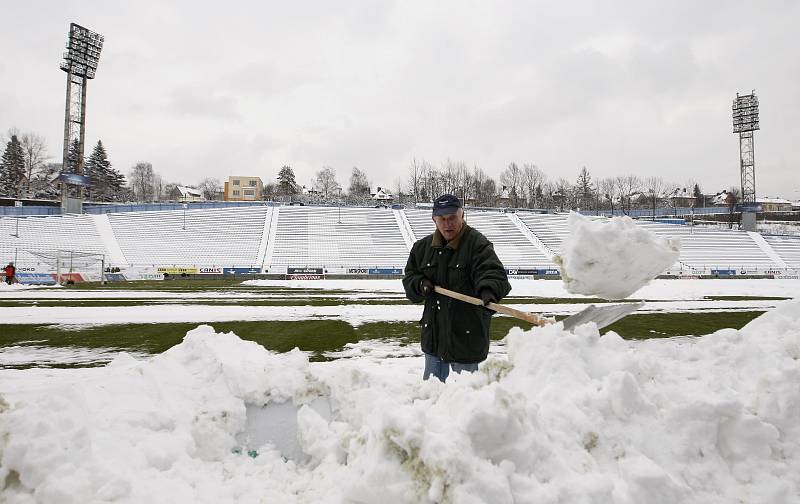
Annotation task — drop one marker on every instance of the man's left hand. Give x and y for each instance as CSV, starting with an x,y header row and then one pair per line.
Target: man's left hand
x,y
487,296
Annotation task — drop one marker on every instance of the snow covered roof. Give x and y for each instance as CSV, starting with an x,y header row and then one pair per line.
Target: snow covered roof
x,y
773,200
189,192
382,194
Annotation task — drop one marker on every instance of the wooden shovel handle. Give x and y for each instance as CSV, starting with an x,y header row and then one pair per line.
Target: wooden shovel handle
x,y
527,317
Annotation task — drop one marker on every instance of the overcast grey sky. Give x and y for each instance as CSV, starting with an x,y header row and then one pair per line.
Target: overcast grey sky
x,y
219,88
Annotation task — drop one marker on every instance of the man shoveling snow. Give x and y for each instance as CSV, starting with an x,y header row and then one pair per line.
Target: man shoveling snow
x,y
612,258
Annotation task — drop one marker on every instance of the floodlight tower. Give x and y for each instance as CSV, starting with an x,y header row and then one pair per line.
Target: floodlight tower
x,y
745,122
80,64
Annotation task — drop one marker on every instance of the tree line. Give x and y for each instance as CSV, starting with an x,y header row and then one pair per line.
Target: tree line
x,y
26,172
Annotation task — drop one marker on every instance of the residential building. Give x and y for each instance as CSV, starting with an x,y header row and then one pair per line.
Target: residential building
x,y
242,188
382,195
774,204
184,194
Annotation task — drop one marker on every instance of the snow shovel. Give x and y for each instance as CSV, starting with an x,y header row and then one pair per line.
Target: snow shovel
x,y
601,315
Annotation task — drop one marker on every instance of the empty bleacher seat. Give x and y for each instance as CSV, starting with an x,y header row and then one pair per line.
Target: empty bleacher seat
x,y
338,238
47,235
513,248
224,237
787,248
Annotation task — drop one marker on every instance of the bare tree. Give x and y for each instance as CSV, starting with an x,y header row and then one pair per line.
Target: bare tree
x,y
143,183
610,191
35,150
628,186
655,189
359,184
511,178
325,181
532,179
563,194
210,187
415,176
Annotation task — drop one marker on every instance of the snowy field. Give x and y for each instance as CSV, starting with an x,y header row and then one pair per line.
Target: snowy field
x,y
79,315
551,417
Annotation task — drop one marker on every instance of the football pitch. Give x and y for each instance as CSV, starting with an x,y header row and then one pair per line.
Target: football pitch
x,y
89,324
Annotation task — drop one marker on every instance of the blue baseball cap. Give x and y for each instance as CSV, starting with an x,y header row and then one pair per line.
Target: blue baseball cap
x,y
446,204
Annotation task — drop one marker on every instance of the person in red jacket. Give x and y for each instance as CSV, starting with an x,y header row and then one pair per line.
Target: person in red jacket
x,y
10,271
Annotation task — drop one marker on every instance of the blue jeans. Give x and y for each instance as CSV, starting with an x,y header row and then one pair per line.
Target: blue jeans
x,y
441,369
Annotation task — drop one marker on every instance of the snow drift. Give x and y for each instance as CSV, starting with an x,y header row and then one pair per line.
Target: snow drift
x,y
567,418
612,258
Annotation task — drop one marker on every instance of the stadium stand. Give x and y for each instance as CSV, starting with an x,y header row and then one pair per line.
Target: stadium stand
x,y
511,245
350,237
550,228
787,247
228,237
338,238
46,235
700,248
715,248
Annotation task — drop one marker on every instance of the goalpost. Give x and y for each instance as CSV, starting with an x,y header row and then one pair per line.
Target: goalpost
x,y
67,264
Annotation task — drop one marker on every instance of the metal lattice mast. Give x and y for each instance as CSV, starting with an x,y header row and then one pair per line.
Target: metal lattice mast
x,y
745,122
80,64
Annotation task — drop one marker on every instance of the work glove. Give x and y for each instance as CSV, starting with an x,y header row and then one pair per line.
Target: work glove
x,y
426,287
487,296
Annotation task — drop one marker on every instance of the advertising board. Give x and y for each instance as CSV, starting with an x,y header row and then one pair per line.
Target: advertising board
x,y
385,271
241,271
139,273
723,271
35,278
209,271
177,271
304,271
522,272
357,271
305,277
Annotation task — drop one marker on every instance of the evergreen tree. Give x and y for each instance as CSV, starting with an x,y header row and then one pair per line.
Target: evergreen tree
x,y
118,185
12,168
584,189
98,169
698,195
73,157
286,181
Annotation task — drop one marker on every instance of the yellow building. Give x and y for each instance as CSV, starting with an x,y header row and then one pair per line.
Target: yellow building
x,y
239,188
774,204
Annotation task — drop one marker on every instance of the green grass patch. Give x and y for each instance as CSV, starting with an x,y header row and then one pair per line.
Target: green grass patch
x,y
321,336
665,325
745,298
108,303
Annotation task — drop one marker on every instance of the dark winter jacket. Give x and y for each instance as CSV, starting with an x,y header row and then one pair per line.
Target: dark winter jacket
x,y
454,330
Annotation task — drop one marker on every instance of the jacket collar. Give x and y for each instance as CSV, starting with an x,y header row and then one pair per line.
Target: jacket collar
x,y
438,239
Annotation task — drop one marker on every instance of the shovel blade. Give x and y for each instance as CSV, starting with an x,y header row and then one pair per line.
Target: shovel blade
x,y
601,315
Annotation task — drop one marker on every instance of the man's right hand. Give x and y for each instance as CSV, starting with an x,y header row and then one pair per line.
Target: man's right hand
x,y
426,287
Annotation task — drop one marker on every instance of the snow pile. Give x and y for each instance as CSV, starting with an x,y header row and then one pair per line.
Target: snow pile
x,y
567,418
612,258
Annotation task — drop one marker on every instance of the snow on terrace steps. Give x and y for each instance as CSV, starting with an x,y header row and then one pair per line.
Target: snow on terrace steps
x,y
338,238
513,248
565,418
699,248
212,237
787,248
47,234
